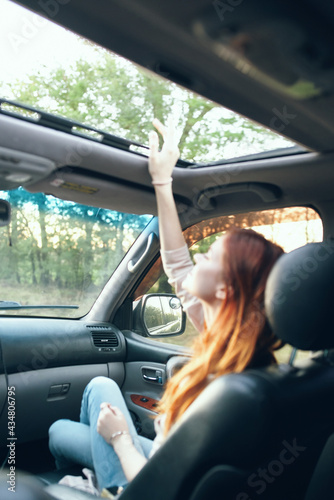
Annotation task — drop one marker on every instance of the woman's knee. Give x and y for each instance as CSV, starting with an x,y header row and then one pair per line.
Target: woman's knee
x,y
101,383
56,432
56,428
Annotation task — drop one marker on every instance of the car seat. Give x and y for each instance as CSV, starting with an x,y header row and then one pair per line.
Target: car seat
x,y
21,486
322,481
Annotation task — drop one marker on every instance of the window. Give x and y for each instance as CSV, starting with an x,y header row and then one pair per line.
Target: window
x,y
60,253
288,227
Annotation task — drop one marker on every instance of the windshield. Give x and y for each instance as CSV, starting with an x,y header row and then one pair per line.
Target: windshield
x,y
59,253
48,67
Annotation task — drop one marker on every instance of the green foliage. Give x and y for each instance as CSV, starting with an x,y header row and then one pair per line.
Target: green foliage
x,y
61,250
155,317
116,96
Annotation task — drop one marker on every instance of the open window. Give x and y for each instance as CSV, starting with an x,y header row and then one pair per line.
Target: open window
x,y
289,227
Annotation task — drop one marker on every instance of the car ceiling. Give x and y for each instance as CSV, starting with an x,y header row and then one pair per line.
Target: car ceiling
x,y
223,50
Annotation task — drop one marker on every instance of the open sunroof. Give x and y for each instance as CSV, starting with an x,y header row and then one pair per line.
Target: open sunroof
x,y
62,81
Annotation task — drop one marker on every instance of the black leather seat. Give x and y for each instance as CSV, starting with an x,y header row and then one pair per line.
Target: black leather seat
x,y
322,481
259,434
21,486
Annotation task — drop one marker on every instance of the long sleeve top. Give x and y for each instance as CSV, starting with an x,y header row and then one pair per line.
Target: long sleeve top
x,y
177,265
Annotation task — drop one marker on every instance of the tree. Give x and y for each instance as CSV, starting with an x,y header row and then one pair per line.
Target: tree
x,y
116,96
60,252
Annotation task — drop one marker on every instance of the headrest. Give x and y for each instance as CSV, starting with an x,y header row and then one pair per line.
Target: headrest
x,y
299,298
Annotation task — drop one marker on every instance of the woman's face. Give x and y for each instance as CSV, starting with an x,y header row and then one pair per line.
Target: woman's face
x,y
205,281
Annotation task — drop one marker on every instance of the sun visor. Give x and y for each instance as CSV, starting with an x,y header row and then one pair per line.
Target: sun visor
x,y
89,188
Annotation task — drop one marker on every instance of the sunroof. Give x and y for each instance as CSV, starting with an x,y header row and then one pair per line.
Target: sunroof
x,y
50,68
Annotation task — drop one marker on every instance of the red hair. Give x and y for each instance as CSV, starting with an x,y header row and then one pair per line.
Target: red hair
x,y
240,336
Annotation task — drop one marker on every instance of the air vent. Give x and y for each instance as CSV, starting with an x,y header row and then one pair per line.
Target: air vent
x,y
104,338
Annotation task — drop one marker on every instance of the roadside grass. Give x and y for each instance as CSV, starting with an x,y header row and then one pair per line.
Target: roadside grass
x,y
51,295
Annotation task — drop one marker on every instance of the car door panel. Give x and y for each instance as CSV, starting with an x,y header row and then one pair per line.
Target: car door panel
x,y
144,349
142,390
146,376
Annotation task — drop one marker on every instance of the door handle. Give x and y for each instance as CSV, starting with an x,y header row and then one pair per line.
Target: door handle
x,y
150,379
152,375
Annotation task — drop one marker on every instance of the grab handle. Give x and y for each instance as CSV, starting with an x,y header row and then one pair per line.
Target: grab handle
x,y
133,267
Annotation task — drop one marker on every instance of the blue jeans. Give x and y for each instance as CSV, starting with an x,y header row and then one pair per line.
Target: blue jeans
x,y
79,442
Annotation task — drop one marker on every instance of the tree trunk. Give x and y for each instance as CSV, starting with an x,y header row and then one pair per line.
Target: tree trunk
x,y
45,272
14,244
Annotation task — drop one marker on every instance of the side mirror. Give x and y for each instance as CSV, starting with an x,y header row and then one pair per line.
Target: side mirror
x,y
5,212
160,315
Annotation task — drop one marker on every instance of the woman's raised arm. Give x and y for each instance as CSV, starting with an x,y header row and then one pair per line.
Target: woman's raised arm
x,y
161,165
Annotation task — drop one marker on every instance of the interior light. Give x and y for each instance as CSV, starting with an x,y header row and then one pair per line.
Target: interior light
x,y
19,178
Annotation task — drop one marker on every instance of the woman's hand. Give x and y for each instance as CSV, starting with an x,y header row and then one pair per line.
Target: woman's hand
x,y
161,163
110,420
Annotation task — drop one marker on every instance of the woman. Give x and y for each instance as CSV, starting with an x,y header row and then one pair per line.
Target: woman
x,y
223,296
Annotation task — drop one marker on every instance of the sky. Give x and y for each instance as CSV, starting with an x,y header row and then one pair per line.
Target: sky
x,y
29,42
